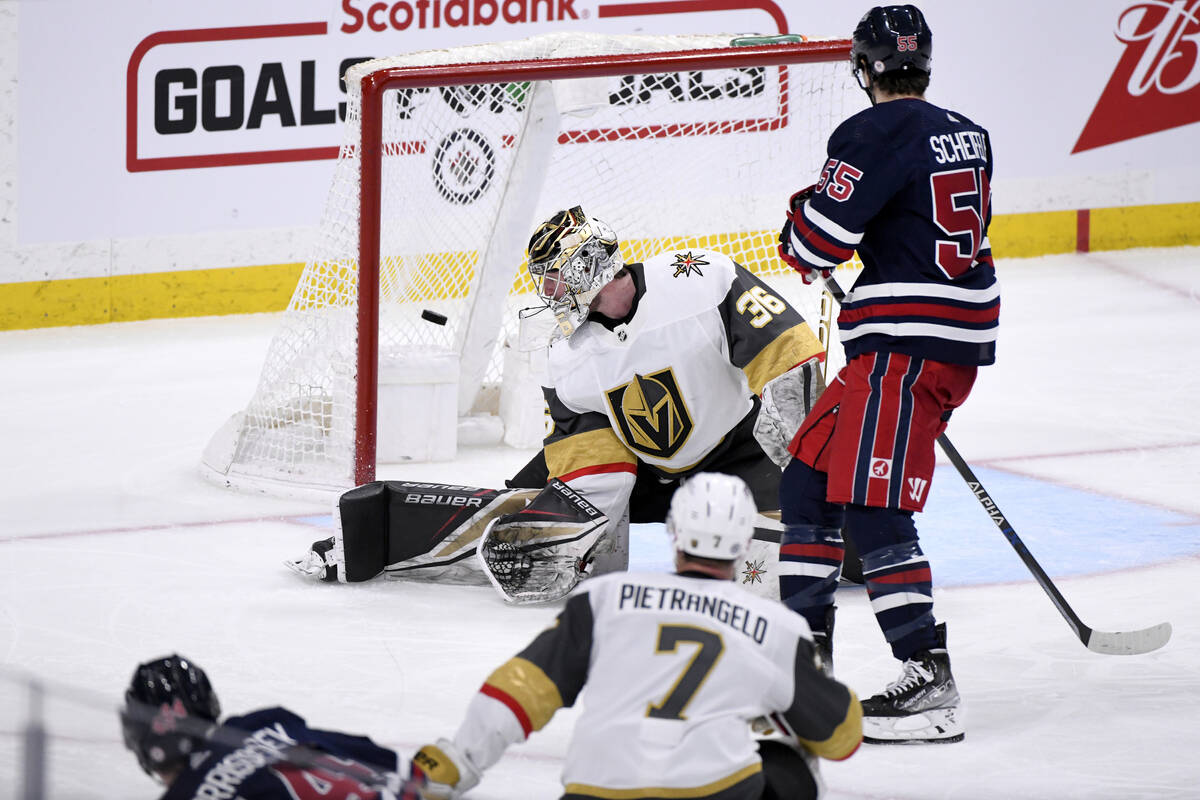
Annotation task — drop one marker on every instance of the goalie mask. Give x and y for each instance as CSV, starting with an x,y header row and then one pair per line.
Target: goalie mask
x,y
571,258
168,707
712,516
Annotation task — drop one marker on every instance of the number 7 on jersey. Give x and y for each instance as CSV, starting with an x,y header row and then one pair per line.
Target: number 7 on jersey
x,y
709,647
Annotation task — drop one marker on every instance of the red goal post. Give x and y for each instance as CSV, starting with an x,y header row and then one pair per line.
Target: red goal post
x,y
449,160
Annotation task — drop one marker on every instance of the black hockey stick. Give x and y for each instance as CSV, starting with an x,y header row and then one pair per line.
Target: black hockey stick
x,y
1115,643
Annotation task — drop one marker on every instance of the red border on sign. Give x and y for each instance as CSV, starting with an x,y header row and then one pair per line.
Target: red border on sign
x,y
687,6
135,164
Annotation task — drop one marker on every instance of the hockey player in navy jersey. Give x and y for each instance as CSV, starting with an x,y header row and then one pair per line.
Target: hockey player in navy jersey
x,y
675,672
170,722
906,185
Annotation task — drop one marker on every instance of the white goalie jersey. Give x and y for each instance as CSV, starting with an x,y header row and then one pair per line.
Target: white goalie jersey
x,y
662,388
652,375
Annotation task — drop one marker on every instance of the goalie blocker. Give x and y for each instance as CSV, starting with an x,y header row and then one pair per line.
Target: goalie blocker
x,y
530,545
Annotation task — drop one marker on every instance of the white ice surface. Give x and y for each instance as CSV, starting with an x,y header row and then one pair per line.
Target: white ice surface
x,y
1086,432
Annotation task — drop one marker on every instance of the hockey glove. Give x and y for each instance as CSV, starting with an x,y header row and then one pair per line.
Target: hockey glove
x,y
807,273
538,554
799,198
442,772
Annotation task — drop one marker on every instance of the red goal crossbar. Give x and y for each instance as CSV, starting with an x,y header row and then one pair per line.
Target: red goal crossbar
x,y
372,146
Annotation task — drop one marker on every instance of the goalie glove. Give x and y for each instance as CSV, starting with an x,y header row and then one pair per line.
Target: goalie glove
x,y
441,771
786,401
786,252
541,552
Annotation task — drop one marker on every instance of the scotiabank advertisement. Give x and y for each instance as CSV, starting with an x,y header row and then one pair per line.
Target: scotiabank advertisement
x,y
217,123
143,118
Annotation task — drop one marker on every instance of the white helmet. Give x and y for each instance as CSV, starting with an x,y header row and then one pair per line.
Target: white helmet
x,y
571,258
712,516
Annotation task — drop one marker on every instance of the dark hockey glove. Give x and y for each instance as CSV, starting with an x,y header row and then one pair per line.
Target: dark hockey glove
x,y
799,198
807,273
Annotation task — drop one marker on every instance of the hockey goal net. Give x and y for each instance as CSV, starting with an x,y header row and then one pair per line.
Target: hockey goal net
x,y
449,160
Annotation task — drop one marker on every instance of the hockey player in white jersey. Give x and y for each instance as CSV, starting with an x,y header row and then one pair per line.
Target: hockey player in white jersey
x,y
684,363
672,669
657,370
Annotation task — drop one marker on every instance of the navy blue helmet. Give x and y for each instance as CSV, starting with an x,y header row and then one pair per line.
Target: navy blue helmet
x,y
892,39
168,706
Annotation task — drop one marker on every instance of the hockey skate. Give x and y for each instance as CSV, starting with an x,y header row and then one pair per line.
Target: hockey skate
x,y
921,706
320,562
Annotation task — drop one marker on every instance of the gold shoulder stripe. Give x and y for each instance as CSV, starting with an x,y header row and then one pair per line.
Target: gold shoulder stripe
x,y
665,791
845,738
587,449
529,687
794,346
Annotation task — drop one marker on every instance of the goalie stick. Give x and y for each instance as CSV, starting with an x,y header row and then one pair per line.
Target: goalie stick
x,y
1112,643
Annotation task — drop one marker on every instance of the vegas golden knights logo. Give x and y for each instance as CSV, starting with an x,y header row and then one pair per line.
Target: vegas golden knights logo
x,y
651,414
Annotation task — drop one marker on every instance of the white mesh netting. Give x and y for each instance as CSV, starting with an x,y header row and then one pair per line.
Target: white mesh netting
x,y
703,158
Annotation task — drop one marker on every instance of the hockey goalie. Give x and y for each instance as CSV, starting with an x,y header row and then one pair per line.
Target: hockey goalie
x,y
685,363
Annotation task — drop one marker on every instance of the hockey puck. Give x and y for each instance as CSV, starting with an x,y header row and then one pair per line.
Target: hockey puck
x,y
434,317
